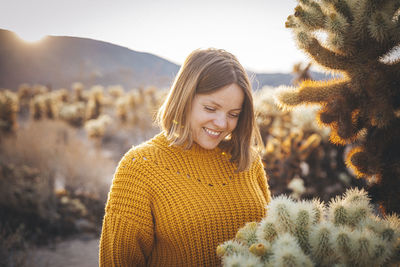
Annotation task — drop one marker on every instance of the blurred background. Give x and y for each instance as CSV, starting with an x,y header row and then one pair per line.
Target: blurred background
x,y
80,83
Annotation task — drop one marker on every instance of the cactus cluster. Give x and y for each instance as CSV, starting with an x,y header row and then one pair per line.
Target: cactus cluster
x,y
358,39
309,233
8,111
79,107
44,106
297,148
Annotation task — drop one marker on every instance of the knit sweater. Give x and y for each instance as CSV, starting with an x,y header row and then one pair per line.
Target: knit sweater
x,y
172,207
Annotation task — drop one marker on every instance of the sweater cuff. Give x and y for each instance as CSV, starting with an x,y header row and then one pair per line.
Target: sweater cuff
x,y
124,242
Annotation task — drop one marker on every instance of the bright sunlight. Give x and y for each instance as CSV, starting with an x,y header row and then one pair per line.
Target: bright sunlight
x,y
31,36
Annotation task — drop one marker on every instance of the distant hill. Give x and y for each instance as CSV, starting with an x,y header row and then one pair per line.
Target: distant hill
x,y
58,61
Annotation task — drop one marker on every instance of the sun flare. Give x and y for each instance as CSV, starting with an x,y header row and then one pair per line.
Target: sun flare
x,y
31,37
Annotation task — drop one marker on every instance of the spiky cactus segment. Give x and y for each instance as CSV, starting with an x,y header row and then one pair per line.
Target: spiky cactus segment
x,y
287,252
231,247
282,211
361,36
305,233
247,234
262,248
242,260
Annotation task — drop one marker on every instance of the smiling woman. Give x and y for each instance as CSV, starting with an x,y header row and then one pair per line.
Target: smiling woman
x,y
173,195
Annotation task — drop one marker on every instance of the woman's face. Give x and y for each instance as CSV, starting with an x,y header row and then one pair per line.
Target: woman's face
x,y
215,115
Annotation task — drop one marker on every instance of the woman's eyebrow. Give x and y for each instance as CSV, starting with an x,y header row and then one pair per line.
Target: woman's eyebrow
x,y
218,105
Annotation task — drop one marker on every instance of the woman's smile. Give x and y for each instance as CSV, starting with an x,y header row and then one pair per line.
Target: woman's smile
x,y
213,134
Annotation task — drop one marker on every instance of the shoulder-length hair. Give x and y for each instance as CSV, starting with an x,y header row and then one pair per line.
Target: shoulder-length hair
x,y
205,71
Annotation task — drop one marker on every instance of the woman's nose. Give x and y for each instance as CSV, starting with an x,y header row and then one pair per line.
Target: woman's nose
x,y
221,122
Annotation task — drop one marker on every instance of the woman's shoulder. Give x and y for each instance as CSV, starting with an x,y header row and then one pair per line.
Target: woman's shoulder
x,y
255,156
147,148
133,169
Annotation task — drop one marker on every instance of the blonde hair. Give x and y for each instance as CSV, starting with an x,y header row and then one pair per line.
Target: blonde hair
x,y
205,71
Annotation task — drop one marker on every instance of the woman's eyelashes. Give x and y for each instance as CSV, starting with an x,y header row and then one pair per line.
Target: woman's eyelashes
x,y
212,109
208,108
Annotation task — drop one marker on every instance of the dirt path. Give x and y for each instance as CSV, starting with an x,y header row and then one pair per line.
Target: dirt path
x,y
77,252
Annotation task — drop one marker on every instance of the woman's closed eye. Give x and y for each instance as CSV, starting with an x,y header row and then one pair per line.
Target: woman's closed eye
x,y
210,109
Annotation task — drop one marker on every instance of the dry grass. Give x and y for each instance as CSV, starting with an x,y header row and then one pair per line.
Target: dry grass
x,y
54,147
12,248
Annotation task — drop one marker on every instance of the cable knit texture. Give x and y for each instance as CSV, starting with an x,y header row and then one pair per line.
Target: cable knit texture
x,y
172,207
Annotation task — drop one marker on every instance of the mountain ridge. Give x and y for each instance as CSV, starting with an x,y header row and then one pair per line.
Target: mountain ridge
x,y
59,61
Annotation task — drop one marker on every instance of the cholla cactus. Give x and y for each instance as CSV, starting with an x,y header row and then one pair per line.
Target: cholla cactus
x,y
43,106
307,233
8,111
297,186
61,95
39,89
364,105
301,74
122,105
93,109
77,88
35,106
97,128
50,106
74,113
116,91
24,92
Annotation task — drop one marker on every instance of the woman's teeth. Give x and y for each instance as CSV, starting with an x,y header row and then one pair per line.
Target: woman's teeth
x,y
212,132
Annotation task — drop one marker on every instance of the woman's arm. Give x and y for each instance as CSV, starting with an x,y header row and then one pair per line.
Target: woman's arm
x,y
128,230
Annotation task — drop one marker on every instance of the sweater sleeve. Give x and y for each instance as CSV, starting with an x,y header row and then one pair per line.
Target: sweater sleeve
x,y
262,180
128,232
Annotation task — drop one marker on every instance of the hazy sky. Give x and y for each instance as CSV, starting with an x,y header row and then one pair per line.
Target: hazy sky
x,y
253,30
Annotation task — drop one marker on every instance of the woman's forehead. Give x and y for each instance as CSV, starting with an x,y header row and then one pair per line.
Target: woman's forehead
x,y
231,95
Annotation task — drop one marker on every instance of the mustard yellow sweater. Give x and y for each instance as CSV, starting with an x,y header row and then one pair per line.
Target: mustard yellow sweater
x,y
172,207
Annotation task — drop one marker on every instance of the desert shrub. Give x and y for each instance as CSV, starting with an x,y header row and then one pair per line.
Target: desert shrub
x,y
13,248
52,179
